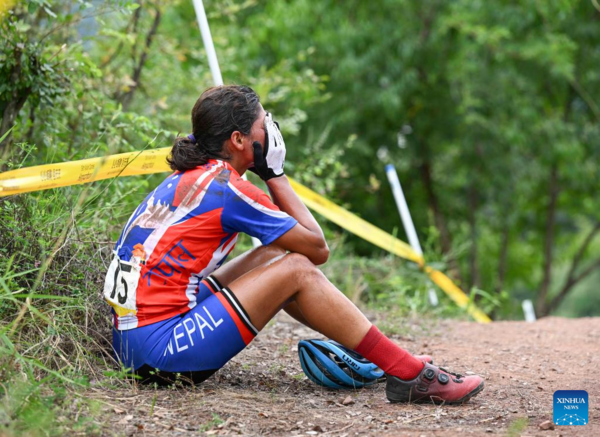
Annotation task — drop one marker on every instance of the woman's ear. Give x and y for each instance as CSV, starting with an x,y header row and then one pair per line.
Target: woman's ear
x,y
237,140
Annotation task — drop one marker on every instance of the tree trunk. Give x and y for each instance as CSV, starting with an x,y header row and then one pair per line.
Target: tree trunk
x,y
503,257
427,21
13,106
438,217
542,306
553,190
473,255
30,131
473,200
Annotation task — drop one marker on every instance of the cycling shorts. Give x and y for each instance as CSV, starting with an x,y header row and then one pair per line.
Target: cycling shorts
x,y
195,344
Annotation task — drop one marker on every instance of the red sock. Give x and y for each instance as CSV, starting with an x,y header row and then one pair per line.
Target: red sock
x,y
394,360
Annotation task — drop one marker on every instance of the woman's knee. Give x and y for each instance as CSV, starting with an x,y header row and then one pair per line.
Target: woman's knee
x,y
300,265
271,251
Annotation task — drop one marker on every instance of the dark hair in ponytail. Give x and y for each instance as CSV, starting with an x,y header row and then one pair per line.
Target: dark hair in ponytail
x,y
219,112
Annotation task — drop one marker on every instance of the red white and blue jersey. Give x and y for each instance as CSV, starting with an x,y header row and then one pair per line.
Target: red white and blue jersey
x,y
181,233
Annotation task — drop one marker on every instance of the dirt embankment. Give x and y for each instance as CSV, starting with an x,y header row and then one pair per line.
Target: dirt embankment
x,y
264,392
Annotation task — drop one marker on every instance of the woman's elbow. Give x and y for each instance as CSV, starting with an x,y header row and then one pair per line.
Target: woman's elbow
x,y
321,256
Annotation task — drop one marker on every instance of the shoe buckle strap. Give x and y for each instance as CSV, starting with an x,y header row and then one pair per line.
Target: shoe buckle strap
x,y
457,375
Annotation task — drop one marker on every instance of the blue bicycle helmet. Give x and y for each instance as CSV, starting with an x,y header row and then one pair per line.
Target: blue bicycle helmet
x,y
332,365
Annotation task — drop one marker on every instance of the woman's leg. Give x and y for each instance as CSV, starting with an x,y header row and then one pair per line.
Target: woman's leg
x,y
294,283
263,290
245,262
249,260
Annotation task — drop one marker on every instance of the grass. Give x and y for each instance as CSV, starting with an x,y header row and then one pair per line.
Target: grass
x,y
215,421
46,407
517,427
55,331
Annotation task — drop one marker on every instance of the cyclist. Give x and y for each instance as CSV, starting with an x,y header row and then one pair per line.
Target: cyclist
x,y
179,309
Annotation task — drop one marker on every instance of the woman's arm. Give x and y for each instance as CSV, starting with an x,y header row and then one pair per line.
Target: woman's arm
x,y
306,237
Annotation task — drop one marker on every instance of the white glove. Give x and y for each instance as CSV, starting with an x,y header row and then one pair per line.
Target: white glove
x,y
270,159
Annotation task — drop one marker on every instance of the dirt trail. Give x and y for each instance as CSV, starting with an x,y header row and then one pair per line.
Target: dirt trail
x,y
263,391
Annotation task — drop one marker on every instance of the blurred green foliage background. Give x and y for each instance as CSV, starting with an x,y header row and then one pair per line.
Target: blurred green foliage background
x,y
489,111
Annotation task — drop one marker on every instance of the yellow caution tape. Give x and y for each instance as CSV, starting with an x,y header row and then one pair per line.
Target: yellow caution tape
x,y
376,236
154,161
6,5
63,174
351,222
456,294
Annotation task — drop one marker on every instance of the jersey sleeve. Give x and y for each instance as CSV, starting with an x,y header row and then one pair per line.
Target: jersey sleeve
x,y
248,209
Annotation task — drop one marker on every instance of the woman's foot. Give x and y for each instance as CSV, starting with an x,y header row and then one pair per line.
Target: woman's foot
x,y
434,385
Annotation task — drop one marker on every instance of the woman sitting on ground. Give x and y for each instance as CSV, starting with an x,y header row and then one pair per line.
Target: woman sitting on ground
x,y
177,308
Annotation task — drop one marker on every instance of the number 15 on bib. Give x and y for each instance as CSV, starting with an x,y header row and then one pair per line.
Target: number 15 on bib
x,y
121,285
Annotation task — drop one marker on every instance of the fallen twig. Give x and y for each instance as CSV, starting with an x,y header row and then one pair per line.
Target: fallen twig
x,y
338,430
418,418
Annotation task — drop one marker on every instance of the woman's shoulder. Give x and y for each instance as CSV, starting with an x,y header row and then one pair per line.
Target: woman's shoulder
x,y
239,184
250,193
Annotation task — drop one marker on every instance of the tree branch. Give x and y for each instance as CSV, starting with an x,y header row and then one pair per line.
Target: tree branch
x,y
572,278
579,255
587,271
570,284
137,72
132,22
587,98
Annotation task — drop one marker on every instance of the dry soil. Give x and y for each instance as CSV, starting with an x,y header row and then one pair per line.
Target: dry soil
x,y
264,392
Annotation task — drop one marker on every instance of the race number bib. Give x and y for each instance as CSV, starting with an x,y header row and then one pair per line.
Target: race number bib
x,y
121,285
